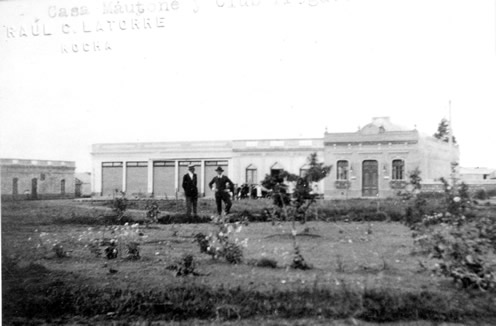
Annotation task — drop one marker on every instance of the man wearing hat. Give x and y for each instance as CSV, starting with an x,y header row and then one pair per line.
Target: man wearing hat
x,y
222,187
190,190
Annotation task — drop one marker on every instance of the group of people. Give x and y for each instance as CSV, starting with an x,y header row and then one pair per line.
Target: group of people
x,y
250,191
220,184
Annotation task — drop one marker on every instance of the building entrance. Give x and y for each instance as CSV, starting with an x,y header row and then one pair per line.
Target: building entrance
x,y
370,178
34,188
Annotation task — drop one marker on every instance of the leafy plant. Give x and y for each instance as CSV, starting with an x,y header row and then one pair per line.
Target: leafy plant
x,y
481,194
119,206
298,260
220,245
463,254
443,131
59,251
202,241
133,250
462,246
111,250
115,240
411,193
153,212
294,206
184,267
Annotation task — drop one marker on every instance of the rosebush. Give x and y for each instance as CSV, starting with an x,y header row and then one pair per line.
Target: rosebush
x,y
220,244
462,246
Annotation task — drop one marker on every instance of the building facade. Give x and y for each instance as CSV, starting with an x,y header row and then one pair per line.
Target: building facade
x,y
36,179
372,162
478,178
156,169
375,161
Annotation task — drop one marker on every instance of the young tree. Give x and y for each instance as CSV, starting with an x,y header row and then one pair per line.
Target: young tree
x,y
443,131
303,195
293,206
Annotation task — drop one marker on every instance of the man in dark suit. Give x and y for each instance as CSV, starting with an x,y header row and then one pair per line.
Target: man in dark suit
x,y
222,188
190,190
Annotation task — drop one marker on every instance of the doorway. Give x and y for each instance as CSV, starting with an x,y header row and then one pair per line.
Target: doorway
x,y
370,178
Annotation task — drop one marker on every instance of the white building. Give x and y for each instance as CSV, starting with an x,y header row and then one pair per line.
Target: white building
x,y
156,169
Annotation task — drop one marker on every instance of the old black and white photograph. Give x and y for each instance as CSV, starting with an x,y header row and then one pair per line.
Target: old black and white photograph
x,y
248,162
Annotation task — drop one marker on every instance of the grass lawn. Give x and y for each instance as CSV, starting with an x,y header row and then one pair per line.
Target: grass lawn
x,y
352,262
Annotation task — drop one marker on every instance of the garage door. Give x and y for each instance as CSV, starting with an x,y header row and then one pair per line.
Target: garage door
x,y
136,179
111,178
163,179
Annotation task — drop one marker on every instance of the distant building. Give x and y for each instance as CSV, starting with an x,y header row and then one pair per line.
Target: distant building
x,y
375,161
372,162
478,178
36,179
83,184
477,175
156,169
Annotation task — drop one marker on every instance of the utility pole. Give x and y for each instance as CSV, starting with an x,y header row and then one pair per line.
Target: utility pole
x,y
453,162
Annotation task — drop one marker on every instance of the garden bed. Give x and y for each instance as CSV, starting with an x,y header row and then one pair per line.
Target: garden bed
x,y
363,270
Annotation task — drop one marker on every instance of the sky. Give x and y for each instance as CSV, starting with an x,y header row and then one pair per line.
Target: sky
x,y
76,73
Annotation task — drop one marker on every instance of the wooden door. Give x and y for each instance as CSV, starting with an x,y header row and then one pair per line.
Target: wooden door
x,y
370,178
34,188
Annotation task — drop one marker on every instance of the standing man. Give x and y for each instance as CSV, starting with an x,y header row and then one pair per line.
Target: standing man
x,y
222,187
190,190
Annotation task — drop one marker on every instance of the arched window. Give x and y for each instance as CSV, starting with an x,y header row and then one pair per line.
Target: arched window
x,y
15,186
398,170
251,174
62,187
342,170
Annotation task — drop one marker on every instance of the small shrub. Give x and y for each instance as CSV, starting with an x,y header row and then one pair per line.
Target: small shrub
x,y
119,206
462,244
298,260
59,251
152,212
133,251
184,267
233,253
202,241
463,254
111,250
219,244
481,194
491,193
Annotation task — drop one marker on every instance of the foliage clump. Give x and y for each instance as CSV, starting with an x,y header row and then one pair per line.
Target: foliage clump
x,y
119,207
184,267
220,244
298,260
152,212
462,246
293,205
443,131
